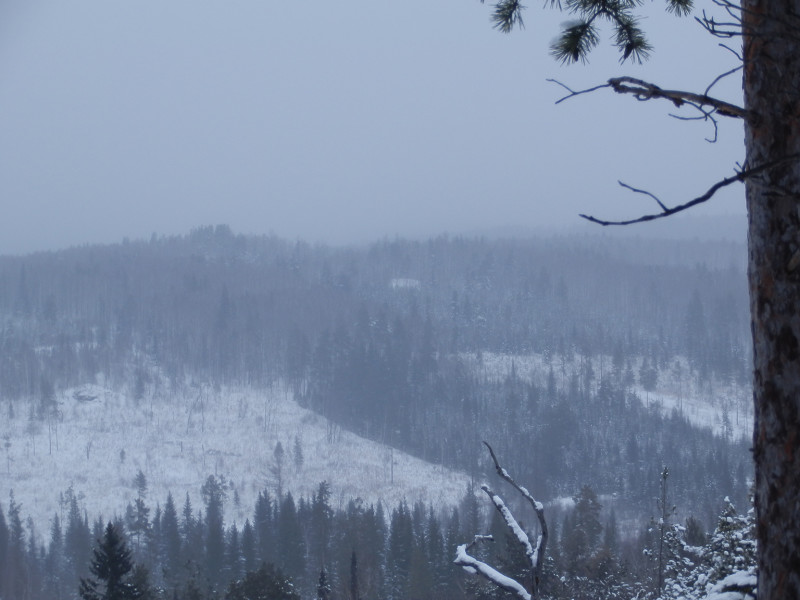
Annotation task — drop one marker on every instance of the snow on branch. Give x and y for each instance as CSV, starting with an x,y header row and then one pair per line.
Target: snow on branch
x,y
533,555
512,524
537,507
473,565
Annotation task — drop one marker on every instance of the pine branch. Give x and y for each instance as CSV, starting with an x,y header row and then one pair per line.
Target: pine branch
x,y
575,42
508,14
682,8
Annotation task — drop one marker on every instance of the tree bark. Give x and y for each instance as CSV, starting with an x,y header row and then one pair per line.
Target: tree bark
x,y
772,133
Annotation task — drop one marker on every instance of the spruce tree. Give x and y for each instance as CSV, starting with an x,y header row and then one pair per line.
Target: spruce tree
x,y
248,547
323,587
112,570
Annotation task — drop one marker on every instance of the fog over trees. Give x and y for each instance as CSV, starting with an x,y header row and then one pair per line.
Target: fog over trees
x,y
573,355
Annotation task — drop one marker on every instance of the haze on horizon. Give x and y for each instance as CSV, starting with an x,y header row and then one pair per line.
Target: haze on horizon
x,y
335,123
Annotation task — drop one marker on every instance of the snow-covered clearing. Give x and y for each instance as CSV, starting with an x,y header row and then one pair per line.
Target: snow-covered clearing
x,y
676,388
103,439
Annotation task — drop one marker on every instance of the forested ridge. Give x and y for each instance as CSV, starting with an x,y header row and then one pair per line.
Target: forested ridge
x,y
400,341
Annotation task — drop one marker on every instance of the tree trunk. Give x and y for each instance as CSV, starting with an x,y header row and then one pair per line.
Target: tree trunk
x,y
772,133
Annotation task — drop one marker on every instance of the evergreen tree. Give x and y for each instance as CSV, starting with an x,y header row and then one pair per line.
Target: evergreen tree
x,y
290,540
695,533
213,492
77,541
354,593
264,525
400,548
298,454
581,531
323,587
249,551
112,570
193,544
320,526
277,468
233,555
268,583
732,547
54,563
435,552
15,577
137,520
171,541
4,537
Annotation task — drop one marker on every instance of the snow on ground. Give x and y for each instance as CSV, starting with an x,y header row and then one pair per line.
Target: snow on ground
x,y
707,405
103,439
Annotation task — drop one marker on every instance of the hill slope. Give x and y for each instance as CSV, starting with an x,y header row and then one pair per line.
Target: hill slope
x,y
102,438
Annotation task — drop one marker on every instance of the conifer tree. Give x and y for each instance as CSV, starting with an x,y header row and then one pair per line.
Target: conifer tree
x,y
171,540
323,587
320,530
54,563
112,569
264,525
268,583
213,492
291,543
3,549
354,593
249,551
233,555
77,540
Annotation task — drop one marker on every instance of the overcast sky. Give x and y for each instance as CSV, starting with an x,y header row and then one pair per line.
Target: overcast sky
x,y
331,121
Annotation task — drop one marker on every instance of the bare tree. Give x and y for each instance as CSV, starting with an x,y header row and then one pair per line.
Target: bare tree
x,y
534,555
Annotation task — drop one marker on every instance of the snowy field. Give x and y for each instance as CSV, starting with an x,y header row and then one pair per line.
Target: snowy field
x,y
103,439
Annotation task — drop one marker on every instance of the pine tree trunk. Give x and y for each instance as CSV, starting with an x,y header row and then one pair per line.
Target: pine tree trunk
x,y
772,133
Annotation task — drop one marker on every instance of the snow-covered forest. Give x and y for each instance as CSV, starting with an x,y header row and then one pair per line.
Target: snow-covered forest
x,y
227,400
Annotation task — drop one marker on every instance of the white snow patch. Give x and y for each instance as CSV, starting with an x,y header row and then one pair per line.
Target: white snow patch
x,y
102,439
405,284
708,405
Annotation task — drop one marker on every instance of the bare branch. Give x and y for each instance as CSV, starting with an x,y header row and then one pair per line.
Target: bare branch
x,y
732,51
645,192
705,115
578,93
740,176
721,77
643,91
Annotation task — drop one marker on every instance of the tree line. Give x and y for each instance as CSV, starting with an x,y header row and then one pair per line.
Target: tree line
x,y
306,547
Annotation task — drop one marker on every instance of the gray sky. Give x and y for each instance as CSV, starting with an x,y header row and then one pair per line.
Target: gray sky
x,y
331,121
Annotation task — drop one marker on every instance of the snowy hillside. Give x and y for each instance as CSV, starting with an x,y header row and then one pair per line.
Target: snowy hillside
x,y
723,407
102,439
